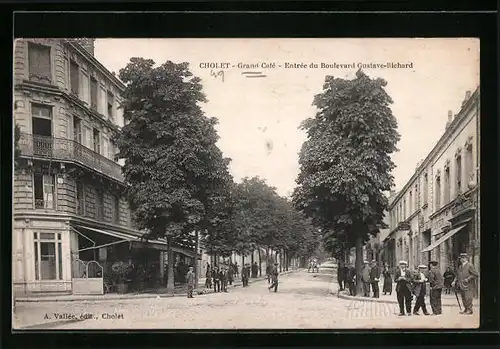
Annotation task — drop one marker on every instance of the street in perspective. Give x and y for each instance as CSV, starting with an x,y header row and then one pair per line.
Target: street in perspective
x,y
246,184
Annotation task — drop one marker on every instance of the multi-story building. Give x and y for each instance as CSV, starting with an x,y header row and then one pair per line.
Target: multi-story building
x,y
435,215
68,207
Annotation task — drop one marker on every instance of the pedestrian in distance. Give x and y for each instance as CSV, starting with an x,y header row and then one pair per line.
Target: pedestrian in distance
x,y
190,280
420,290
340,276
375,279
464,283
268,273
449,276
223,279
351,280
208,277
387,288
216,279
365,279
245,274
255,269
274,276
230,275
436,283
402,278
236,271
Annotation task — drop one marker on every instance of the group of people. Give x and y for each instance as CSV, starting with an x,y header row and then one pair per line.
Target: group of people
x,y
412,284
408,285
370,277
219,277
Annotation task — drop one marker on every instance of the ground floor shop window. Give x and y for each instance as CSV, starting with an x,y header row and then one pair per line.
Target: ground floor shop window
x,y
48,256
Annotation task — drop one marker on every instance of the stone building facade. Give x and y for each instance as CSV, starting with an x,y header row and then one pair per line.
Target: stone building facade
x,y
436,213
68,189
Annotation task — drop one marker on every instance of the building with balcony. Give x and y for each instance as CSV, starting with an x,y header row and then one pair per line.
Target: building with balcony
x,y
68,204
436,214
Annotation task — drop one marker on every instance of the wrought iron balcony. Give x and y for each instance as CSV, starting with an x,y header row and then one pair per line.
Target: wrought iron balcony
x,y
68,150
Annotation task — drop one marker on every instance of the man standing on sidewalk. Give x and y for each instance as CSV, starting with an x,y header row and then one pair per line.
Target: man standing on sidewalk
x,y
463,282
245,273
403,288
420,290
351,280
216,277
190,282
223,278
436,283
374,279
365,279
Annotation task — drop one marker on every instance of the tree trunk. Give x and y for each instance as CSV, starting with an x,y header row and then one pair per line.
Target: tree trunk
x,y
281,261
170,270
359,265
287,260
260,262
252,259
242,260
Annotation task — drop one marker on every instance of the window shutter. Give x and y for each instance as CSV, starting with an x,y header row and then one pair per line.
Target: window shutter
x,y
105,149
102,102
85,88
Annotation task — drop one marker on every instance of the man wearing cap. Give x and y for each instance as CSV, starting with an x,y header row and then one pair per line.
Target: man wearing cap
x,y
351,279
365,279
436,282
402,277
463,282
420,290
274,278
374,279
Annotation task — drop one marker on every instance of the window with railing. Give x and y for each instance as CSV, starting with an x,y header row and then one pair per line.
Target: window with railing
x,y
77,129
426,188
74,77
447,185
93,94
48,256
111,101
80,199
415,204
99,212
39,63
458,169
404,209
411,202
97,141
469,167
44,185
438,192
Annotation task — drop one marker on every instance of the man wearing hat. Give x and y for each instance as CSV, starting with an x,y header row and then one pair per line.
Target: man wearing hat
x,y
403,288
374,279
463,282
274,278
436,282
420,290
365,279
245,274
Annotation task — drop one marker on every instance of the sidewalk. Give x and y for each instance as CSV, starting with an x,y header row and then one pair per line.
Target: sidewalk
x,y
160,293
447,300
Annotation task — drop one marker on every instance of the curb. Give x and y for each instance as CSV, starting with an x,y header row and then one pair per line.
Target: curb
x,y
48,325
199,291
369,299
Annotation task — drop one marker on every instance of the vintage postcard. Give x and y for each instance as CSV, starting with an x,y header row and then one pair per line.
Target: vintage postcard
x,y
246,183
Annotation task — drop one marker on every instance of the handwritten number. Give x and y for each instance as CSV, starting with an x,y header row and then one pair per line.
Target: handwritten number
x,y
218,74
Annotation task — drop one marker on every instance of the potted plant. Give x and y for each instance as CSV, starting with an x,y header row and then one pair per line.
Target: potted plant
x,y
121,270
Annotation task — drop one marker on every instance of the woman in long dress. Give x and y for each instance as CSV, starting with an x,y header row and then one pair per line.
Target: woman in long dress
x,y
387,281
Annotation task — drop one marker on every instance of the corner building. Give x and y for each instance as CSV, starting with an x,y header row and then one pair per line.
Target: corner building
x,y
68,207
436,214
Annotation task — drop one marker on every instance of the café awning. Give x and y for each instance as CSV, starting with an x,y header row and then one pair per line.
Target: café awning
x,y
443,238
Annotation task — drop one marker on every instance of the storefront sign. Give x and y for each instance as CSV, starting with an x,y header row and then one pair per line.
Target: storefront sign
x,y
461,206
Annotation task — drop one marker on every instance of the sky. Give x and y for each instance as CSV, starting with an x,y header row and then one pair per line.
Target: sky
x,y
259,118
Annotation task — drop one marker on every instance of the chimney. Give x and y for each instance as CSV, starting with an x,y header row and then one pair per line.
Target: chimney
x,y
450,118
467,97
87,44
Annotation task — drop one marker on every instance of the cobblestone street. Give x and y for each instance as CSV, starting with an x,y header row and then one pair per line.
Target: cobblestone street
x,y
302,301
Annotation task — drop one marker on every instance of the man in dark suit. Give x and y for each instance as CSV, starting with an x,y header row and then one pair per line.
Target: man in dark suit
x,y
365,279
403,288
463,282
223,278
420,290
351,280
245,274
374,279
436,283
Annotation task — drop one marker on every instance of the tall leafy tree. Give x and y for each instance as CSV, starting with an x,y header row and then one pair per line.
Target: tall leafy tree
x,y
345,163
176,176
